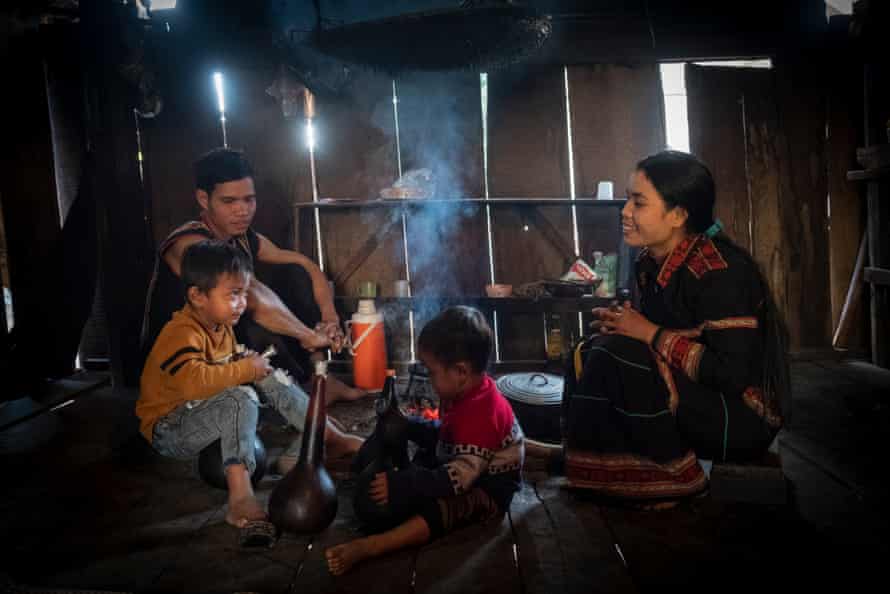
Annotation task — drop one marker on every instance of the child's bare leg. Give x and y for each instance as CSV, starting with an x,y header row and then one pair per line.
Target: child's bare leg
x,y
243,505
341,558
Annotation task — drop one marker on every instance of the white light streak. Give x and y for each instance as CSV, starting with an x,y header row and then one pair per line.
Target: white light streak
x,y
221,104
310,135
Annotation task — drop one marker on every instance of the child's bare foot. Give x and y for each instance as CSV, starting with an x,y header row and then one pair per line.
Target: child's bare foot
x,y
242,511
342,557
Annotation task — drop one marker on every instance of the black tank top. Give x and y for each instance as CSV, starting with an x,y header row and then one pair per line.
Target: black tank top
x,y
166,293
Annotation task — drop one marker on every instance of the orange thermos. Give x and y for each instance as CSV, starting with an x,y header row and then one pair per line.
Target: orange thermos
x,y
368,347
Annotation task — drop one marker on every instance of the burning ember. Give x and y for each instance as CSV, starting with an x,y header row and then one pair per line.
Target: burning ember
x,y
420,404
424,409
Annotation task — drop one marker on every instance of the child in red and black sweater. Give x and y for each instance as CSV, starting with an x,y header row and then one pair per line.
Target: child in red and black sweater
x,y
478,444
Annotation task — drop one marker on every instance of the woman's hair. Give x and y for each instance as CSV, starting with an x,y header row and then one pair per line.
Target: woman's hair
x,y
682,180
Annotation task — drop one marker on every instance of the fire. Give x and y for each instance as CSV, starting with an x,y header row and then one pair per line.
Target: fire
x,y
425,411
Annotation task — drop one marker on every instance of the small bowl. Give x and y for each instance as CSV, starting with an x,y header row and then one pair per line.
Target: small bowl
x,y
498,290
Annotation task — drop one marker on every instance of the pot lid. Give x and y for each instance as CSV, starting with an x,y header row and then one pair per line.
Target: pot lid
x,y
532,388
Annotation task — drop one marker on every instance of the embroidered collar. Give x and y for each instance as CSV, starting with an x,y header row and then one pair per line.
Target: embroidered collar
x,y
676,259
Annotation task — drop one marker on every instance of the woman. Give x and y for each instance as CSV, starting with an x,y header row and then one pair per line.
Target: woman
x,y
698,371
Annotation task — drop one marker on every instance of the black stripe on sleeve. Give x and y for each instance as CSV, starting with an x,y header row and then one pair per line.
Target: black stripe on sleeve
x,y
178,366
174,356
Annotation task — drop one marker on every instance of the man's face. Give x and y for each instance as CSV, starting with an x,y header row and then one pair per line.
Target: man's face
x,y
230,207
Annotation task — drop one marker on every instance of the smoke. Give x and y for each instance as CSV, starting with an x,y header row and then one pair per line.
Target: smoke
x,y
440,130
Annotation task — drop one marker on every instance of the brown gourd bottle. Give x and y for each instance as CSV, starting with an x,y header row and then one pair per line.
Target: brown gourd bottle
x,y
305,499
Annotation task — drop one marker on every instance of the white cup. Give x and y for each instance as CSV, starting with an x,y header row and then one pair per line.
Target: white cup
x,y
401,288
604,190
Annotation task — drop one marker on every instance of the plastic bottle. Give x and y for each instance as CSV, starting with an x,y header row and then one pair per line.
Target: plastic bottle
x,y
603,270
554,338
368,347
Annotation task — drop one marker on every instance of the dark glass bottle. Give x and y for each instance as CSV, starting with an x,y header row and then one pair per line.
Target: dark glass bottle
x,y
385,449
305,499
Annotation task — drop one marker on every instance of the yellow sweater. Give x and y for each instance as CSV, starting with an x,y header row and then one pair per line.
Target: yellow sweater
x,y
187,362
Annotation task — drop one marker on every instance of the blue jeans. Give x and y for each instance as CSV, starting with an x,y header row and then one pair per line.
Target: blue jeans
x,y
231,417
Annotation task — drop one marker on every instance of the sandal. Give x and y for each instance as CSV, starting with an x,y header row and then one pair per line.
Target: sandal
x,y
257,533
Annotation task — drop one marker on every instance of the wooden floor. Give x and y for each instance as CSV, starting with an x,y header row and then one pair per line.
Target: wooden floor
x,y
91,507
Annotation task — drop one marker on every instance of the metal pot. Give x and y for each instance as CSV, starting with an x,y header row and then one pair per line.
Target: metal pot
x,y
536,399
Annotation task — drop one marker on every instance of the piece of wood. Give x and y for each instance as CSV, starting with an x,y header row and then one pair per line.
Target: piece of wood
x,y
552,235
589,558
717,110
878,276
854,294
879,257
356,158
381,575
366,249
527,157
844,85
617,117
486,562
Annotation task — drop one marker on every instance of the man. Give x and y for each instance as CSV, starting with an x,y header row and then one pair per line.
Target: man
x,y
297,317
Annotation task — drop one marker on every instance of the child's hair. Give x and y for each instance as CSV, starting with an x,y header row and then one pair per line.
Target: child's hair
x,y
205,261
219,166
458,334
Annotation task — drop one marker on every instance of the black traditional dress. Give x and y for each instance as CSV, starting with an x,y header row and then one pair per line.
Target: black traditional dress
x,y
637,417
292,284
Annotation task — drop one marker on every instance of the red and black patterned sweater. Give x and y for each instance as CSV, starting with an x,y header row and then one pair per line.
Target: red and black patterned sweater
x,y
477,443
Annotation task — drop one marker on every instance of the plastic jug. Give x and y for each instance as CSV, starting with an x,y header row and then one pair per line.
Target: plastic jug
x,y
368,346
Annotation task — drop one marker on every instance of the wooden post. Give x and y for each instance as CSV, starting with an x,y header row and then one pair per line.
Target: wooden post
x,y
125,259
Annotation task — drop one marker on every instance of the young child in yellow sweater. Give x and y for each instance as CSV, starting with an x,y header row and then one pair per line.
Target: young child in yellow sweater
x,y
195,389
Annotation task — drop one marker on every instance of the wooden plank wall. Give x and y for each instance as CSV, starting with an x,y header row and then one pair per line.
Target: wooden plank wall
x,y
440,128
528,158
189,125
845,198
776,174
617,115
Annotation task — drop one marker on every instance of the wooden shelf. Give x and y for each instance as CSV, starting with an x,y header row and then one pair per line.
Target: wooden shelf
x,y
877,276
340,203
869,174
504,304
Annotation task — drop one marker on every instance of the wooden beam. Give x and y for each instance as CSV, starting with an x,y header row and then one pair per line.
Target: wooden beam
x,y
854,292
552,235
877,276
364,252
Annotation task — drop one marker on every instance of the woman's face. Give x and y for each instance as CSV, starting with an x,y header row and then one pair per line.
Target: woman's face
x,y
646,221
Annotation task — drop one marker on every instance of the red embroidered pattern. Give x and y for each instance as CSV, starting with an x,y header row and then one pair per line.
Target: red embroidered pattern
x,y
680,352
705,257
753,398
668,376
676,259
634,477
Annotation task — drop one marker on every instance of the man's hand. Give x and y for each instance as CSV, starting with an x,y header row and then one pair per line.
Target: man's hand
x,y
379,489
332,329
312,340
261,366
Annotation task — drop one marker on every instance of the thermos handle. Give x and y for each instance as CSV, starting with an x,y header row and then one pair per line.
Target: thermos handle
x,y
353,346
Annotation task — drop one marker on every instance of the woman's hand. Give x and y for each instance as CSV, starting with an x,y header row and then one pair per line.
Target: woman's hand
x,y
626,321
379,489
